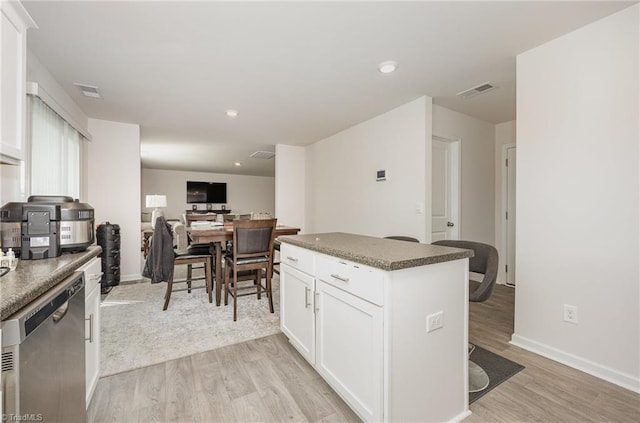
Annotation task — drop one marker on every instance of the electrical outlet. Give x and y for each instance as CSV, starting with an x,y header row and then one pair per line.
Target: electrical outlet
x,y
571,313
435,321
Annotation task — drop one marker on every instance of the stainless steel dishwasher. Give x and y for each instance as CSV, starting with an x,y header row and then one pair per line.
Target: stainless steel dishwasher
x,y
43,362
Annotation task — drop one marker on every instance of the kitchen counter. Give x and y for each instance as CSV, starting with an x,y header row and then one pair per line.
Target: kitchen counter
x,y
381,253
33,278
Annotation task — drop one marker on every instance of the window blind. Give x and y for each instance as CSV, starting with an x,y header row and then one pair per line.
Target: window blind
x,y
55,153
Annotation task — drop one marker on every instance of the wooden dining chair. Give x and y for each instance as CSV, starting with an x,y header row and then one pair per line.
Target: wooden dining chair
x,y
162,259
252,254
183,258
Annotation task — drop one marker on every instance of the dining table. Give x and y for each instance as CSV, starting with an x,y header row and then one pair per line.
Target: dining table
x,y
216,236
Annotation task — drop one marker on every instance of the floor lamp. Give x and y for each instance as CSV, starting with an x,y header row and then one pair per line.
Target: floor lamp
x,y
156,201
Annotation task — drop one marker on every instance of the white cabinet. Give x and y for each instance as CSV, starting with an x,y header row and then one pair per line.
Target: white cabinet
x,y
92,275
14,22
330,320
363,329
349,348
297,319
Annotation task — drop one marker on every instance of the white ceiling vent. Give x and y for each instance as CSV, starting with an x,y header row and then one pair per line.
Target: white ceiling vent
x,y
480,89
88,90
263,155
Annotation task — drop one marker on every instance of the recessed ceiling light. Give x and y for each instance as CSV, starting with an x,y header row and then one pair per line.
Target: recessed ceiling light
x,y
232,113
388,66
238,164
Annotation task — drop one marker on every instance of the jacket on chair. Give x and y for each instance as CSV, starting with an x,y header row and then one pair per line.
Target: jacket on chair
x,y
159,264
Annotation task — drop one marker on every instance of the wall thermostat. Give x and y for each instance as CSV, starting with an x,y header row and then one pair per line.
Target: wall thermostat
x,y
381,175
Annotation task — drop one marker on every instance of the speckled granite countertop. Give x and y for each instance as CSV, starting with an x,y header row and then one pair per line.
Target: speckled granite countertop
x,y
33,278
381,253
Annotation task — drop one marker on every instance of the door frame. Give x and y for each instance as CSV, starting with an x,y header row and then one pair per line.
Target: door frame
x,y
503,215
456,179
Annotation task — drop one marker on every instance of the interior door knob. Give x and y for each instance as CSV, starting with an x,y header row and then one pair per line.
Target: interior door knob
x,y
450,224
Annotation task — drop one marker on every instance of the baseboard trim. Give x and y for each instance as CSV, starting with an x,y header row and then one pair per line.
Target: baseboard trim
x,y
460,417
131,277
603,372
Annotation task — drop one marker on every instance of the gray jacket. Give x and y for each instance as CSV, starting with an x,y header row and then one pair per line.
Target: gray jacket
x,y
159,264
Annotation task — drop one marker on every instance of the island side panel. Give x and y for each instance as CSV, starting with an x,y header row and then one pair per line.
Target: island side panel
x,y
426,373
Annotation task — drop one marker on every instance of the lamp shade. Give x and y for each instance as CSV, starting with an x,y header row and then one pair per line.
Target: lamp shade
x,y
156,200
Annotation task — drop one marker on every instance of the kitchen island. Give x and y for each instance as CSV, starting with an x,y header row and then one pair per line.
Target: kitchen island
x,y
384,322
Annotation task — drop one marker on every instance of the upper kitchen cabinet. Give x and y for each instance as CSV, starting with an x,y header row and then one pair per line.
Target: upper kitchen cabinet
x,y
14,22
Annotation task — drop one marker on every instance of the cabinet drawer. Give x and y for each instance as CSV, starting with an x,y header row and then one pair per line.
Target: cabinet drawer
x,y
359,280
92,274
298,258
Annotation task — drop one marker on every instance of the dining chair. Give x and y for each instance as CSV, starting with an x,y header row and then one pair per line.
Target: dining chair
x,y
162,259
252,253
485,262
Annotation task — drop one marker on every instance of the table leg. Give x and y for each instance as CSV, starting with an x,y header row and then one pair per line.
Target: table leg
x,y
218,272
145,244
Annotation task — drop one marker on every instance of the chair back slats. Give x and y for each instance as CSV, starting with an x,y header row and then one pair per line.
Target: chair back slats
x,y
253,238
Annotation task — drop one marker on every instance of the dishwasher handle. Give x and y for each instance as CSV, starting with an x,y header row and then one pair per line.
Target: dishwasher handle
x,y
60,312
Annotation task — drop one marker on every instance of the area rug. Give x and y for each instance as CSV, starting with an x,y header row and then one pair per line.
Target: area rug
x,y
137,333
498,369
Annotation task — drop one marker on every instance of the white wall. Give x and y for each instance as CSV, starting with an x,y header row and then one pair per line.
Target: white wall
x,y
290,185
245,194
505,134
113,181
343,194
477,139
578,198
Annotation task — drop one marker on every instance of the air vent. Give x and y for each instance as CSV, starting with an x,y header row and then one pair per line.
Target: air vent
x,y
7,361
263,155
480,89
88,90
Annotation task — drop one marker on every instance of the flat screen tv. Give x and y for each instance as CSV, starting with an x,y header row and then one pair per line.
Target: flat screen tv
x,y
206,192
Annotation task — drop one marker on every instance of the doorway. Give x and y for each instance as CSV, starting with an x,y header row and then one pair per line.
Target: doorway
x,y
509,215
445,189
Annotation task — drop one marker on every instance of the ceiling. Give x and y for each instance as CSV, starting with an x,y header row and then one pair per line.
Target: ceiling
x,y
297,72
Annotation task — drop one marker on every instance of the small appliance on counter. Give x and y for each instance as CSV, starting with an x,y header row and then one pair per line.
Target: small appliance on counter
x,y
46,226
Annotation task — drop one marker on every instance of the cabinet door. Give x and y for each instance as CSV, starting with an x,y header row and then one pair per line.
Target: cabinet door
x,y
14,21
92,342
350,348
296,310
92,275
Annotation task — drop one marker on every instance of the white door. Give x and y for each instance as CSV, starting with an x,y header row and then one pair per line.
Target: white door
x,y
349,348
297,318
444,192
510,216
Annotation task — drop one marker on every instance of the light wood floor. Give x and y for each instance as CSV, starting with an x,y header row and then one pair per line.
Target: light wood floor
x,y
266,380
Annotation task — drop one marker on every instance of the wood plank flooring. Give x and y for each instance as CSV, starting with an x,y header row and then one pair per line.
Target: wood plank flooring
x,y
263,380
266,380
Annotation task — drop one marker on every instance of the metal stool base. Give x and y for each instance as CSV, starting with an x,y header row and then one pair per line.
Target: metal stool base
x,y
478,378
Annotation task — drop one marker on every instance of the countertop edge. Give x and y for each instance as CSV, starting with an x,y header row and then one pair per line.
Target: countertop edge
x,y
377,263
17,302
